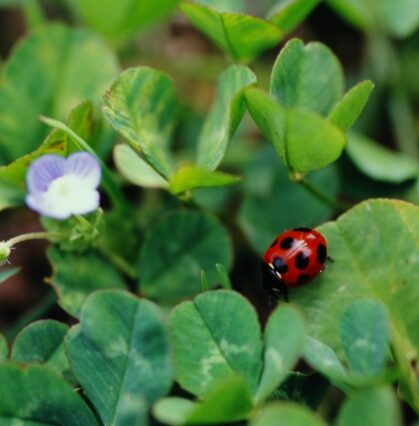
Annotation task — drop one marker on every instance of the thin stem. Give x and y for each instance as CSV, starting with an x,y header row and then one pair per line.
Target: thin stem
x,y
35,313
119,262
32,236
323,197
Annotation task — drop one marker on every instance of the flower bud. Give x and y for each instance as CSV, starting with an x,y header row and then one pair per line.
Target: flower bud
x,y
4,252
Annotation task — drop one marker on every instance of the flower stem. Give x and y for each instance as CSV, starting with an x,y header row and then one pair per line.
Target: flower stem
x,y
32,236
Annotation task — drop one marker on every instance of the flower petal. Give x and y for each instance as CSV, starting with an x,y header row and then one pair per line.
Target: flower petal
x,y
85,166
43,171
42,205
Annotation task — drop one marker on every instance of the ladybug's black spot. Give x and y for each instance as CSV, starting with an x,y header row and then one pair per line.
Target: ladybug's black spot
x,y
280,265
273,243
301,260
303,279
321,253
302,229
286,243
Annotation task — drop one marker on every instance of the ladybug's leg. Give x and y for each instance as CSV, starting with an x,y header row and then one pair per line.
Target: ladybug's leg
x,y
330,259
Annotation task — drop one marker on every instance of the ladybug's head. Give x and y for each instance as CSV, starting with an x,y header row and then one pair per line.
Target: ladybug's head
x,y
272,282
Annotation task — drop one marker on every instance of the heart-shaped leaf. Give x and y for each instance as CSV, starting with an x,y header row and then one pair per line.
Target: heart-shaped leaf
x,y
119,350
117,20
218,336
304,140
37,396
224,117
67,67
375,250
42,342
241,36
214,337
141,105
77,275
308,77
176,249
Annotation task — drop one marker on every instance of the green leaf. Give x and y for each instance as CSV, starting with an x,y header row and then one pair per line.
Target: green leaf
x,y
241,36
133,410
176,249
120,350
7,273
270,117
375,249
4,348
288,14
225,5
67,67
191,177
378,162
135,170
35,396
284,339
42,342
324,360
141,105
224,117
75,276
118,20
399,19
359,13
173,410
268,190
308,77
365,335
13,176
228,401
286,413
214,337
304,140
348,109
371,406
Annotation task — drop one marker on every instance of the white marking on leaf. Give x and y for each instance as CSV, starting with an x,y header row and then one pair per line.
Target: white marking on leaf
x,y
233,349
117,347
208,363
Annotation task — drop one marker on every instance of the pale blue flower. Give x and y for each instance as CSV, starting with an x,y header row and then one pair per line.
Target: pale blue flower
x,y
60,187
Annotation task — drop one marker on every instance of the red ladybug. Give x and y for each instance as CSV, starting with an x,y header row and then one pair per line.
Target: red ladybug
x,y
292,260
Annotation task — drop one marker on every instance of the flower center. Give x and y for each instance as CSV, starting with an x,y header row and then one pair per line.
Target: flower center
x,y
63,187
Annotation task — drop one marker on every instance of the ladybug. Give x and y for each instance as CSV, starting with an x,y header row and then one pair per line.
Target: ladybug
x,y
292,260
